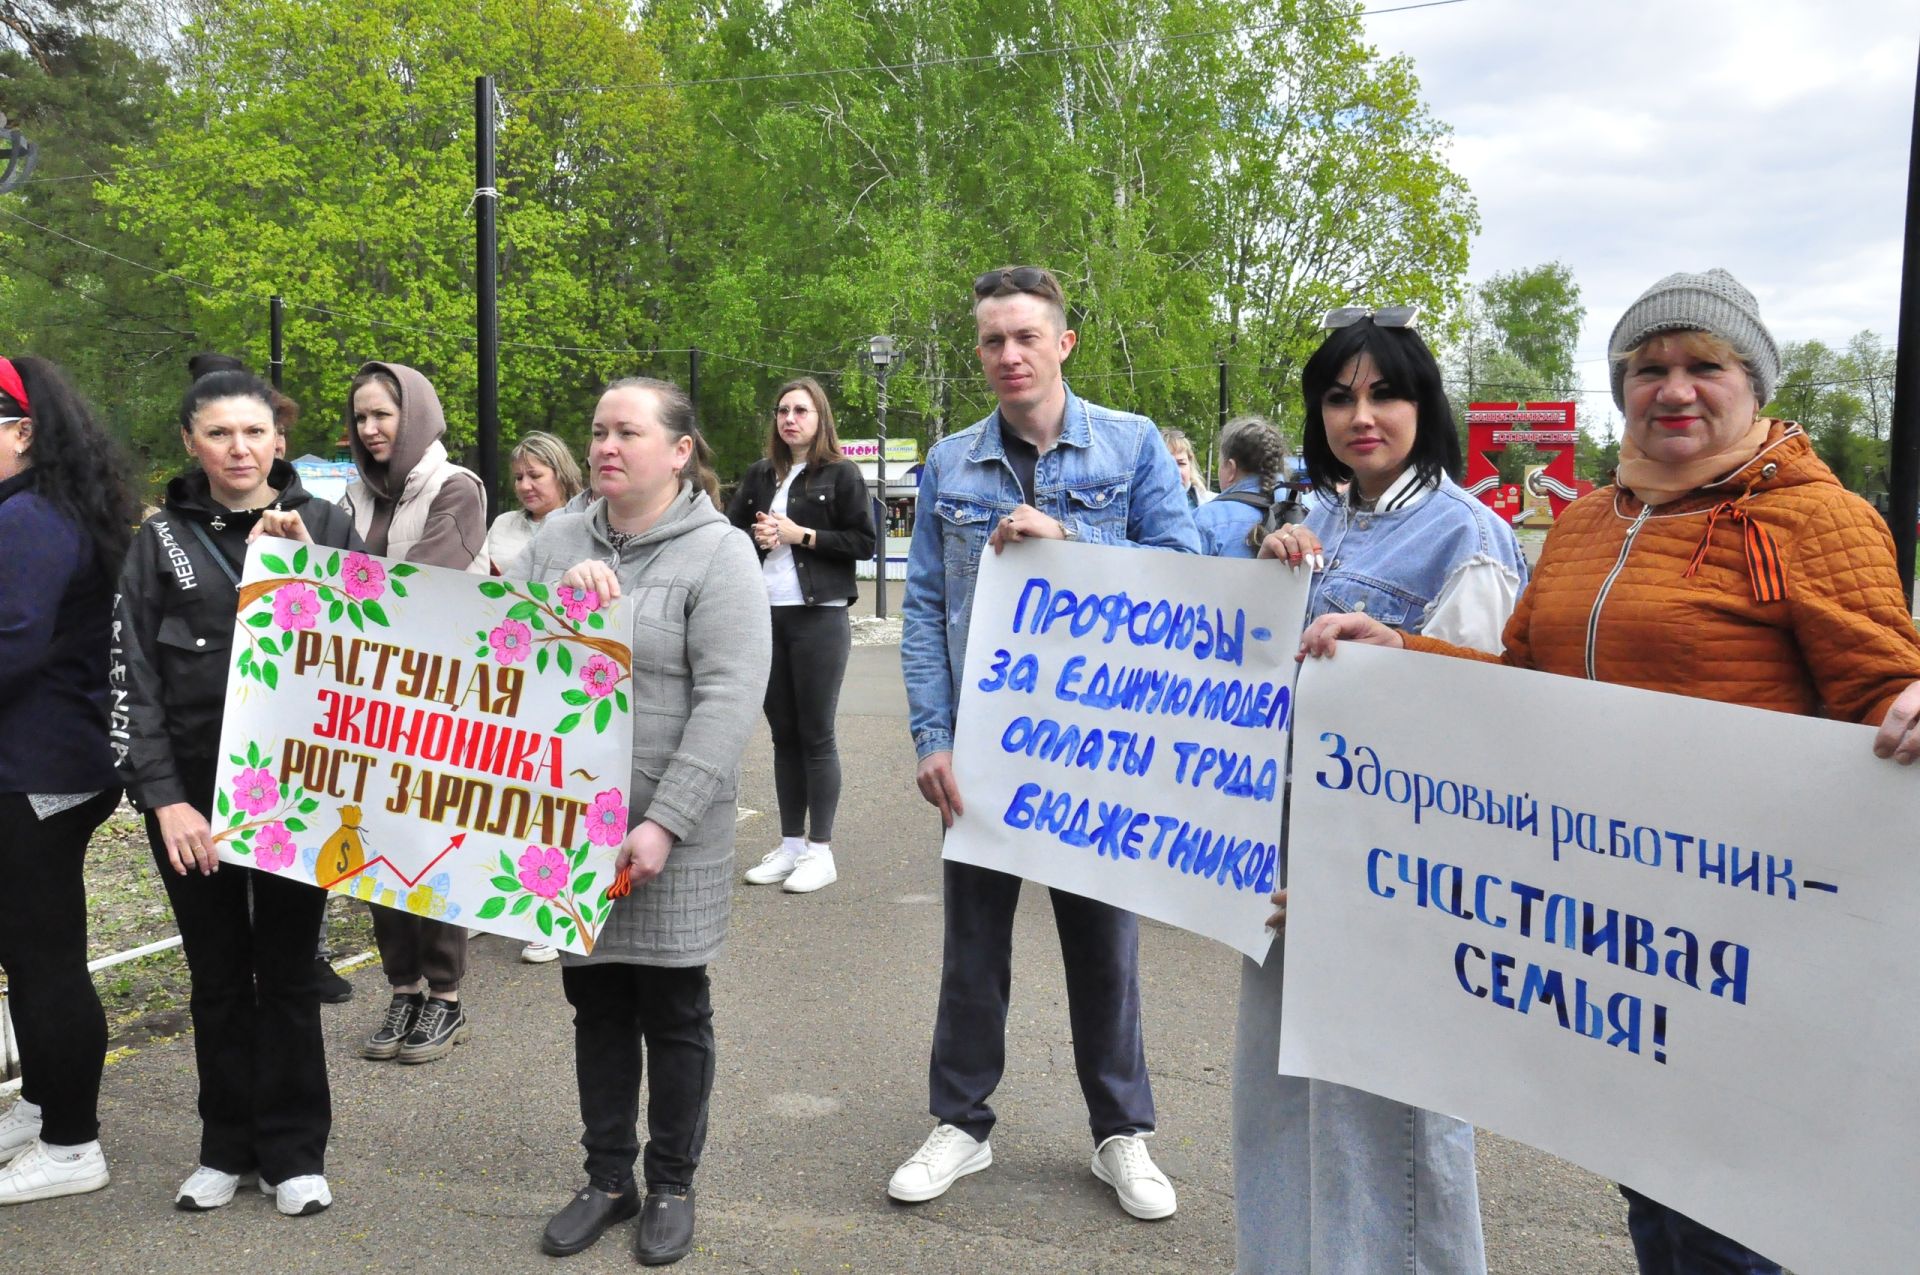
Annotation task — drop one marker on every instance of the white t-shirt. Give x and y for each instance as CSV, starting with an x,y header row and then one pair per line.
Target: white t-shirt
x,y
783,579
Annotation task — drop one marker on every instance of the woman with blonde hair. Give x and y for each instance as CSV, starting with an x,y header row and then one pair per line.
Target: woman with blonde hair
x,y
807,509
1193,479
545,478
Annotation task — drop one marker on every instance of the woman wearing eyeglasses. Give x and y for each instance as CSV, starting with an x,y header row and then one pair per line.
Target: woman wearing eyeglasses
x,y
807,509
1328,1178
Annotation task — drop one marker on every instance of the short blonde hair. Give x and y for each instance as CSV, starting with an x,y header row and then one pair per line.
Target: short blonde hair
x,y
1695,343
546,449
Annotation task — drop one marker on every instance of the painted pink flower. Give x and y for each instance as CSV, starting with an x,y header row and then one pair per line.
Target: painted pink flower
x,y
254,791
543,871
578,605
511,642
598,675
273,847
296,606
607,819
362,577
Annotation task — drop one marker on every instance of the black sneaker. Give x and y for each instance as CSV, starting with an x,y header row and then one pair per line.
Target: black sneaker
x,y
334,990
403,1011
441,1026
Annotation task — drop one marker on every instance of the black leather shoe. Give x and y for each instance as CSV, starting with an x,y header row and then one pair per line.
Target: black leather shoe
x,y
334,990
665,1234
590,1212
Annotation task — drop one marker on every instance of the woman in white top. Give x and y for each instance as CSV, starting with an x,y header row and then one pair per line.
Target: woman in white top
x,y
809,514
545,478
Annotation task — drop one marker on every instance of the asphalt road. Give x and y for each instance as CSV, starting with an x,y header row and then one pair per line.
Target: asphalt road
x,y
824,1007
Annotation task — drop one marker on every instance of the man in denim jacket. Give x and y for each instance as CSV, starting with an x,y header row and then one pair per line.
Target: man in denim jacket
x,y
1049,465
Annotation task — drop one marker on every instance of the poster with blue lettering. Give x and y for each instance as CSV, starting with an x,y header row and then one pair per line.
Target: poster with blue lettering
x,y
1122,729
1667,939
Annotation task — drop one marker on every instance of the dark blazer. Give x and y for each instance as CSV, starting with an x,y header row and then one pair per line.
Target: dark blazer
x,y
833,501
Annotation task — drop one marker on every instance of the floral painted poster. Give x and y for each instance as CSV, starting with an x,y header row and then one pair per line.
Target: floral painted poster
x,y
429,740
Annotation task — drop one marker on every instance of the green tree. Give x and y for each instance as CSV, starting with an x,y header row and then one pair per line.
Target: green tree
x,y
1514,342
1816,390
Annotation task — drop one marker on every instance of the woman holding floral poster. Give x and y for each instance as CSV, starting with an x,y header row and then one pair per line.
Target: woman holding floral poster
x,y
248,936
701,642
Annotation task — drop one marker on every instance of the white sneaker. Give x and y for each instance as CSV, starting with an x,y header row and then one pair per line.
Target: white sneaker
x,y
775,868
539,953
1122,1163
36,1174
947,1154
299,1197
206,1189
18,1128
811,870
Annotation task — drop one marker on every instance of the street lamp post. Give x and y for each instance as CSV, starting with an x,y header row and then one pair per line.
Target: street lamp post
x,y
882,352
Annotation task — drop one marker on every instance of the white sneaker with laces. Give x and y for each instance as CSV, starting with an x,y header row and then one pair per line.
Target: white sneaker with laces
x,y
206,1189
948,1154
299,1197
18,1128
539,953
775,868
811,871
42,1172
1122,1163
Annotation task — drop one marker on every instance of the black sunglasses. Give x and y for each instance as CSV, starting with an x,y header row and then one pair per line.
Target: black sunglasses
x,y
1030,279
1390,316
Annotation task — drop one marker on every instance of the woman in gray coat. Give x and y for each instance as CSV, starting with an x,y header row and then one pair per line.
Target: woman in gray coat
x,y
701,645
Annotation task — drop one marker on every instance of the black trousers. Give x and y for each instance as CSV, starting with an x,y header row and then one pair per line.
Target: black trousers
x,y
416,947
615,1008
264,1102
1100,950
810,647
57,1017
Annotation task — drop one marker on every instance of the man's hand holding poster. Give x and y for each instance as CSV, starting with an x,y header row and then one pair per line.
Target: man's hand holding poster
x,y
429,740
1122,729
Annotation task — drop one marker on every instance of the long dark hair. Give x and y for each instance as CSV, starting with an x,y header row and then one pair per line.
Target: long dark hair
x,y
825,448
76,465
675,411
1404,362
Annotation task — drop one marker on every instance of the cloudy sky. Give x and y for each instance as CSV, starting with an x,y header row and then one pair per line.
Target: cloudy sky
x,y
1633,138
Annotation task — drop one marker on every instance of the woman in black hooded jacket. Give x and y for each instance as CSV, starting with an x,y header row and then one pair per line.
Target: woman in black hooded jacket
x,y
264,1104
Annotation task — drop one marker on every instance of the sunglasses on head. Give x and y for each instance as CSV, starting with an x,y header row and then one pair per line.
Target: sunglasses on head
x,y
1390,316
1012,279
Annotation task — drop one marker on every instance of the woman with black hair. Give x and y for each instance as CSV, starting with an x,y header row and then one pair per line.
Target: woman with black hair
x,y
264,1104
1328,1178
807,509
66,510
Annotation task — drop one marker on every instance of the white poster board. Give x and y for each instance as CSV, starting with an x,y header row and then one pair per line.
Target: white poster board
x,y
1667,939
429,740
1122,729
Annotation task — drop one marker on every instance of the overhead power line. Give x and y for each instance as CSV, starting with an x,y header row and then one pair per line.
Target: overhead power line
x,y
970,59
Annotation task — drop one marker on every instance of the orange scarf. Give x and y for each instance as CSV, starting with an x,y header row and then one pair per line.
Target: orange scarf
x,y
1655,482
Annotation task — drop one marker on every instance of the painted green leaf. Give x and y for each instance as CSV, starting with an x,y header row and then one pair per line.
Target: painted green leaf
x,y
335,609
296,825
544,919
300,560
260,619
353,613
403,569
270,675
333,563
567,723
575,697
539,624
540,660
488,588
480,652
399,590
254,755
220,804
308,806
239,817
274,563
509,884
522,611
602,714
522,903
565,920
564,658
579,857
596,621
620,698
492,908
583,885
374,611
539,590
506,864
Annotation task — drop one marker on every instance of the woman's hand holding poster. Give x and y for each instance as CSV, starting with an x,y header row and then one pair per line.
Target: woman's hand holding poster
x,y
429,740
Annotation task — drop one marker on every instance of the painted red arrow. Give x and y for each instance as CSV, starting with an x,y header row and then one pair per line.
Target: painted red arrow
x,y
410,880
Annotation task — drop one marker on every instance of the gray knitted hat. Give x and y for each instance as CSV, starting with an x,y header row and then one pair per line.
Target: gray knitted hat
x,y
1711,302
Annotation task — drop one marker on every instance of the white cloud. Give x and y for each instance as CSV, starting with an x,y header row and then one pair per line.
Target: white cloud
x,y
1634,138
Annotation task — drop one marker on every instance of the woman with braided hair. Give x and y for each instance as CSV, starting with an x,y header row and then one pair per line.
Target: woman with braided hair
x,y
1253,462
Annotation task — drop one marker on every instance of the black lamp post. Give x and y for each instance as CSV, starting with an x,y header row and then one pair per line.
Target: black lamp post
x,y
882,353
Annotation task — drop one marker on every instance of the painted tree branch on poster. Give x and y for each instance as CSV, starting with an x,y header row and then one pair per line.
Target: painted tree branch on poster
x,y
1668,939
428,740
1122,729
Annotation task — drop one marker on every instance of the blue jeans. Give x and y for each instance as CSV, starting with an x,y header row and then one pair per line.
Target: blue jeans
x,y
1329,1180
1666,1242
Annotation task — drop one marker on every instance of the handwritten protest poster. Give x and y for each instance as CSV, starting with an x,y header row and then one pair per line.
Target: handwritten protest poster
x,y
1667,939
429,740
1122,729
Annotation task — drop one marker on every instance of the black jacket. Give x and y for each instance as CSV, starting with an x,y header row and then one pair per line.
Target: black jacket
x,y
174,628
833,501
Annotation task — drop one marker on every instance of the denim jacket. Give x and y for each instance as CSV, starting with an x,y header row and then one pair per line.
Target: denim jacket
x,y
1109,480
